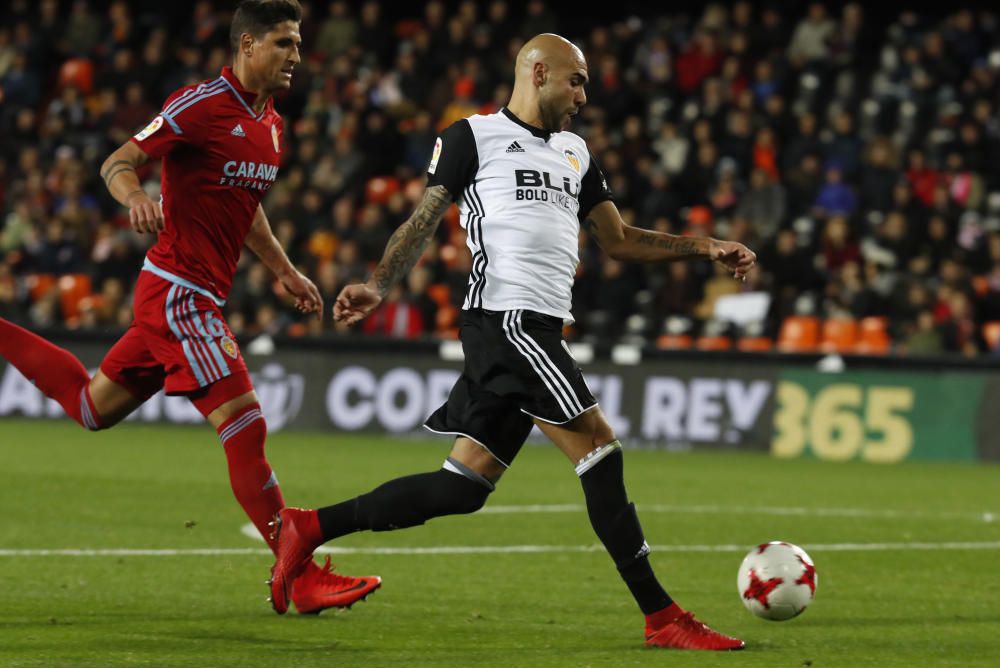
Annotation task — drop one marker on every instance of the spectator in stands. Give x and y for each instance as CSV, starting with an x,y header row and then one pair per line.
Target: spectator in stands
x,y
763,206
835,197
775,90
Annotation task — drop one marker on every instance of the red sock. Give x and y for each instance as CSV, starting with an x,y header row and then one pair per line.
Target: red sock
x,y
661,618
253,481
54,371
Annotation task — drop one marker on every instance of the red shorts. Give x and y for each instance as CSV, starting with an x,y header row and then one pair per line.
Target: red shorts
x,y
180,342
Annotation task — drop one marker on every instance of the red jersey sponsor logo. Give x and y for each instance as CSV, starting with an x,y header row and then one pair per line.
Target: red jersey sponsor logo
x,y
248,174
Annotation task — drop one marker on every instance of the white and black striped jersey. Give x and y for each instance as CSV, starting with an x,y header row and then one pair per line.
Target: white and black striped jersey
x,y
522,193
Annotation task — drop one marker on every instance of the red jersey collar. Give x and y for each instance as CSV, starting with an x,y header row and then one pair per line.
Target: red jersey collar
x,y
247,96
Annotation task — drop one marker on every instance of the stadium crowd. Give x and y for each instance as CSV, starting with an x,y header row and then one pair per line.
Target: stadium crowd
x,y
852,154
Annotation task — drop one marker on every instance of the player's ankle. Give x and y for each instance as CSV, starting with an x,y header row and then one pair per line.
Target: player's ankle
x,y
661,618
307,523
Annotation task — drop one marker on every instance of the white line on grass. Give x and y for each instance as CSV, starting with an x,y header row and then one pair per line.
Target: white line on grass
x,y
490,549
985,516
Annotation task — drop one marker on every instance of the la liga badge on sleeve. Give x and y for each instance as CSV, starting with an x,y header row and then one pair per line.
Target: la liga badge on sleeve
x,y
153,126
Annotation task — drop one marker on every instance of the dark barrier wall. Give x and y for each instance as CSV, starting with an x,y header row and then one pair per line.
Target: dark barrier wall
x,y
784,405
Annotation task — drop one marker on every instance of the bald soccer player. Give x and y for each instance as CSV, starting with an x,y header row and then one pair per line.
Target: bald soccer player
x,y
524,185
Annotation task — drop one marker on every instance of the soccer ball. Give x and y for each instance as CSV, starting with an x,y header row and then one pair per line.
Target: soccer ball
x,y
777,580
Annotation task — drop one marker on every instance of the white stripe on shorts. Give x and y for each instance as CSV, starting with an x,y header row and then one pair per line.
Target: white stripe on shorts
x,y
561,380
541,364
172,323
186,317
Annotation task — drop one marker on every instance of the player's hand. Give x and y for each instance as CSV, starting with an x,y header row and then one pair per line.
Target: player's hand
x,y
355,302
144,214
307,296
735,256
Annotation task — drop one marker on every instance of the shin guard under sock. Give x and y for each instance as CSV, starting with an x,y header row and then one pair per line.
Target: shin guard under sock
x,y
254,483
617,525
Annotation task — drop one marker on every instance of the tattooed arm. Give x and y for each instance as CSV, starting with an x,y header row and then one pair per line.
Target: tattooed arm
x,y
405,247
121,180
632,244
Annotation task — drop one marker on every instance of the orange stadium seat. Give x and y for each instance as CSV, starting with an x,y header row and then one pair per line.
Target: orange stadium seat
x,y
72,289
991,334
873,336
799,334
39,285
673,342
713,343
755,344
839,335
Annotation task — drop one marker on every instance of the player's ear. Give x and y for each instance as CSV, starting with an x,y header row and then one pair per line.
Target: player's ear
x,y
539,74
246,44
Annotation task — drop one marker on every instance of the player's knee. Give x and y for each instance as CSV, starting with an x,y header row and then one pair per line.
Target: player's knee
x,y
411,501
468,488
603,434
90,419
467,496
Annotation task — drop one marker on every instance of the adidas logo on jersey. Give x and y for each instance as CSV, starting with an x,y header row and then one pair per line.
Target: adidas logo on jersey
x,y
238,131
515,148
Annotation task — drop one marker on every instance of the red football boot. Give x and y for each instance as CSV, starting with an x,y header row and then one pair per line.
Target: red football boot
x,y
317,589
676,629
291,528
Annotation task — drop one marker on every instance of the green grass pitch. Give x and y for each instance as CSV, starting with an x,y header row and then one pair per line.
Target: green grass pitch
x,y
908,558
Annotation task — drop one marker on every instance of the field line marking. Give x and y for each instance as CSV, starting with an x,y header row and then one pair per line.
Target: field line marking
x,y
488,549
794,511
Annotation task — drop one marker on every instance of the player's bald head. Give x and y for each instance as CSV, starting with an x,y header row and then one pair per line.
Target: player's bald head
x,y
552,51
549,78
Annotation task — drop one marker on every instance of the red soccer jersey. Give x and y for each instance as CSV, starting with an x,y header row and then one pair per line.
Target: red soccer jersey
x,y
219,158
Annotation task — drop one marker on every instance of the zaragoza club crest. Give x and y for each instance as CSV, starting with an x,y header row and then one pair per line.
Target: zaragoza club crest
x,y
229,347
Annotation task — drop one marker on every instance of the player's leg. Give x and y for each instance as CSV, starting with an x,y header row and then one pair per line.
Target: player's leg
x,y
460,486
231,406
557,397
96,403
590,444
204,363
489,430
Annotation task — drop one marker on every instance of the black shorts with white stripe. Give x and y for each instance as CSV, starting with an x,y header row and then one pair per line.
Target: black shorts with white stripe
x,y
517,367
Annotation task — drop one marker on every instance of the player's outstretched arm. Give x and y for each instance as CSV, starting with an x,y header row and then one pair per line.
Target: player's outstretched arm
x,y
405,247
261,240
119,175
633,244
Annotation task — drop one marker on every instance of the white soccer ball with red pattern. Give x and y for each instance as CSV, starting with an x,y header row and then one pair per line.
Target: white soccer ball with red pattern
x,y
777,581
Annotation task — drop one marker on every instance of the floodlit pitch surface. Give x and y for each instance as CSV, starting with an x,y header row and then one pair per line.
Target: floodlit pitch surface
x,y
126,548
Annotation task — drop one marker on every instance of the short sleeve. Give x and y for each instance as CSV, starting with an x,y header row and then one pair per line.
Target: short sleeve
x,y
455,160
594,189
181,121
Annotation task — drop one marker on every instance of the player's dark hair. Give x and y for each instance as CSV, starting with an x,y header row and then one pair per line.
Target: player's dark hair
x,y
258,17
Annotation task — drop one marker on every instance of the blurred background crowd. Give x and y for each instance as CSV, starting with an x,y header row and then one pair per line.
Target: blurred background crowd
x,y
852,151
